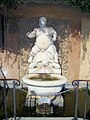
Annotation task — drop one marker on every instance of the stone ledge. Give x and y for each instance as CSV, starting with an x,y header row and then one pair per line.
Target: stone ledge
x,y
44,118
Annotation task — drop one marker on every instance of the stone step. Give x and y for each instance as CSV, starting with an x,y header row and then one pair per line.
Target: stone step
x,y
44,118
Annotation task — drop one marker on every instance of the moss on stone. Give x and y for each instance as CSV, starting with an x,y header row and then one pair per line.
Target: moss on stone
x,y
43,77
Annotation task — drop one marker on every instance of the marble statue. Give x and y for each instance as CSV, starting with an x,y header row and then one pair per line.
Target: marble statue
x,y
43,56
44,78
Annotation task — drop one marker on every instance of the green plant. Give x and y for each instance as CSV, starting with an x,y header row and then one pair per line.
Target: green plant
x,y
9,3
84,5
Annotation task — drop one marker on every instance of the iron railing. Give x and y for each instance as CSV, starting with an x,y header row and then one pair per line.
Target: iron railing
x,y
16,82
76,83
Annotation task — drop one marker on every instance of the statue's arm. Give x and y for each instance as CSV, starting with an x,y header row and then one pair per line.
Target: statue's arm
x,y
54,34
31,34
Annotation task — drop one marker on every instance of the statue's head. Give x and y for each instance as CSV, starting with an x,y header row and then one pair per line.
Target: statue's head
x,y
42,21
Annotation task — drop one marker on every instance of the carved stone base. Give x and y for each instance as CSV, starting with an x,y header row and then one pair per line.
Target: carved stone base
x,y
44,104
44,109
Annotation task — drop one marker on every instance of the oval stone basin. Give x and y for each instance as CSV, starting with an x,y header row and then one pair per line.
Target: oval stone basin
x,y
45,87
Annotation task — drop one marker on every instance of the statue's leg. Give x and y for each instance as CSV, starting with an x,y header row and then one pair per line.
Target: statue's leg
x,y
52,50
33,52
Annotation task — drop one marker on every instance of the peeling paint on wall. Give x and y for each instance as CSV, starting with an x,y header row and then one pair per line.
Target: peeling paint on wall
x,y
85,50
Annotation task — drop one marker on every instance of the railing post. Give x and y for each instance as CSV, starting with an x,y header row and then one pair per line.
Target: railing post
x,y
76,104
14,97
86,101
5,105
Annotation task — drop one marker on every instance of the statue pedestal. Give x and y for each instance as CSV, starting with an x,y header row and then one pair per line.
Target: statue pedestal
x,y
44,109
44,104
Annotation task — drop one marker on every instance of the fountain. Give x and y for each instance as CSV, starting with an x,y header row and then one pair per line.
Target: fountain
x,y
44,78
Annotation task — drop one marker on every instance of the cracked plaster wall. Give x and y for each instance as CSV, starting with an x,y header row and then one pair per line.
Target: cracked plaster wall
x,y
66,21
85,50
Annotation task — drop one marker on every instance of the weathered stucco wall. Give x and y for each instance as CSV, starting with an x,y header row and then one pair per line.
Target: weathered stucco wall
x,y
85,50
65,20
9,58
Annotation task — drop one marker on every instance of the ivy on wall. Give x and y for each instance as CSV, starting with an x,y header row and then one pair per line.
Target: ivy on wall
x,y
84,5
9,3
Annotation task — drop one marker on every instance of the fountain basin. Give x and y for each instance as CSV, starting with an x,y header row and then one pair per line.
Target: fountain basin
x,y
45,87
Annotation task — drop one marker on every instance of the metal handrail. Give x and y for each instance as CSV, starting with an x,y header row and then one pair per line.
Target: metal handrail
x,y
16,82
75,83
